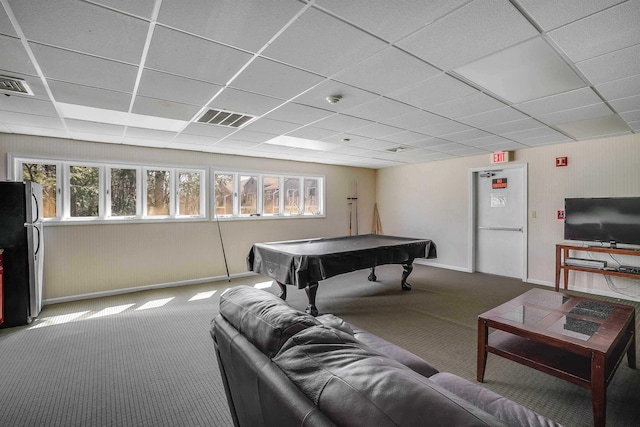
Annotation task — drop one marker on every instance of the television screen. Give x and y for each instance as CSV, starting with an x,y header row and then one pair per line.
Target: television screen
x,y
603,219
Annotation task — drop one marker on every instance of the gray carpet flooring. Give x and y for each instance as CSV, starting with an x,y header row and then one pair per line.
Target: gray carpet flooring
x,y
146,358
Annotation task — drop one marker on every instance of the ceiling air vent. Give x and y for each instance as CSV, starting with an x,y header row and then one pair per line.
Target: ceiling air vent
x,y
398,149
13,85
225,118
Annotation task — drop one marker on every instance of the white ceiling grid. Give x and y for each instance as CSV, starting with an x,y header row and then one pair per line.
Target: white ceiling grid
x,y
419,81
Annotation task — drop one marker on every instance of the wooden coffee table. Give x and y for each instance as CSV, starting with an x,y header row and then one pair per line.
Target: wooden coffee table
x,y
577,339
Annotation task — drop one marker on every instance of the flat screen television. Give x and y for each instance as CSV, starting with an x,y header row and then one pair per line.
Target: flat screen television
x,y
603,219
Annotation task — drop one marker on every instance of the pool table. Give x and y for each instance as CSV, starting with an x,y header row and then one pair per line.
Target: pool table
x,y
303,263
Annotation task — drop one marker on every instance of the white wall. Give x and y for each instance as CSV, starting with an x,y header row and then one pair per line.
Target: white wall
x,y
431,200
94,259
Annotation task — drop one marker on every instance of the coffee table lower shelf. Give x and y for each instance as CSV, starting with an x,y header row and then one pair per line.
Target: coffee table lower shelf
x,y
552,360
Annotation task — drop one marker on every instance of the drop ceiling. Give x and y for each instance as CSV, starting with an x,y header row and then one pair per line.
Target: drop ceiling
x,y
417,81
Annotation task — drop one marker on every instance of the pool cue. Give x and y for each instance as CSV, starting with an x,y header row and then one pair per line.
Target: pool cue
x,y
224,255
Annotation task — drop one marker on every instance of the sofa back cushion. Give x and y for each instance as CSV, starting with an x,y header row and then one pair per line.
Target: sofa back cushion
x,y
355,386
263,318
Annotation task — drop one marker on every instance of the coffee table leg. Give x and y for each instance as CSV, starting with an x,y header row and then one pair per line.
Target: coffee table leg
x,y
483,334
598,389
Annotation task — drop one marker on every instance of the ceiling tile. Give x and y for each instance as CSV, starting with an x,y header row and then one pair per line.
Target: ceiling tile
x,y
555,138
576,114
395,70
142,8
514,126
489,26
96,30
186,55
525,135
298,113
388,20
26,119
39,131
346,138
492,118
207,130
87,70
375,144
624,105
443,127
134,132
612,66
436,90
274,79
552,14
405,137
523,72
220,20
316,41
487,141
472,104
311,132
164,108
248,136
429,143
90,96
175,88
380,110
341,123
273,127
376,130
465,135
563,101
415,119
621,88
504,146
611,29
6,27
631,116
29,105
14,58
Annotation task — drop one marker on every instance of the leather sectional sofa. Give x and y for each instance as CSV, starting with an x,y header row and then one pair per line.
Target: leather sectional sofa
x,y
283,367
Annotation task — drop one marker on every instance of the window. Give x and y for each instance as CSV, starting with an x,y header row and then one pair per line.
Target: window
x,y
124,192
248,195
237,194
85,192
224,194
45,174
189,200
270,195
158,192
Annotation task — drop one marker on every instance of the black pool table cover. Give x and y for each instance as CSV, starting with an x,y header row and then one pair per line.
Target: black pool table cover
x,y
304,262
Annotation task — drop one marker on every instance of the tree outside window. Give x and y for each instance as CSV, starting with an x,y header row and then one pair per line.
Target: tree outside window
x,y
123,192
158,192
44,174
223,194
189,193
84,191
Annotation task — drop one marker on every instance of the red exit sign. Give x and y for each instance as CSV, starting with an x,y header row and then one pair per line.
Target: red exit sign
x,y
500,157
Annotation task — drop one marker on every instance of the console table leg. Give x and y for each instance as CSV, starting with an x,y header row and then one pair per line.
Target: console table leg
x,y
483,335
311,291
631,352
407,269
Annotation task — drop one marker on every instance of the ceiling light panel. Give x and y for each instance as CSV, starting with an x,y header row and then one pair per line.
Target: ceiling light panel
x,y
523,72
489,26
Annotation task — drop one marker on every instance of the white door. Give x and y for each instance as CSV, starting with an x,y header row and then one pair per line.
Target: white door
x,y
499,198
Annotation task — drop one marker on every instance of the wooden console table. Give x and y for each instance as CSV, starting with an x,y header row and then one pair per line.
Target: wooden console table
x,y
562,253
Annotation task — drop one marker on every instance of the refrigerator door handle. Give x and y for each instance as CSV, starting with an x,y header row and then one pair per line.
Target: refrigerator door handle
x,y
39,240
35,199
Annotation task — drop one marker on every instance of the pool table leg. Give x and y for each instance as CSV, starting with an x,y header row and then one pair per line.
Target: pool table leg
x,y
311,291
372,277
283,291
408,268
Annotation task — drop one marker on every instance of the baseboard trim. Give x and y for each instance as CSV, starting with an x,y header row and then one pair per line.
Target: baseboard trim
x,y
446,266
142,288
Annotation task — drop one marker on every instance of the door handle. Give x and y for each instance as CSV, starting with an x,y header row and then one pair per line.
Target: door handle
x,y
500,228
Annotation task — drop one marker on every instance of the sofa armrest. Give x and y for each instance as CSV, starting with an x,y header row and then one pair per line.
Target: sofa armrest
x,y
502,408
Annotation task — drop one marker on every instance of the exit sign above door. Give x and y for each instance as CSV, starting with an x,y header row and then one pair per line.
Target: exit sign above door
x,y
500,157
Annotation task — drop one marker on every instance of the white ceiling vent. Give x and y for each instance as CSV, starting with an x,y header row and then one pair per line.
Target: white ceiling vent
x,y
225,118
13,85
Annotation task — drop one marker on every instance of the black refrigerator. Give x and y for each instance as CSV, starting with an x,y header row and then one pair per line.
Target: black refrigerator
x,y
21,238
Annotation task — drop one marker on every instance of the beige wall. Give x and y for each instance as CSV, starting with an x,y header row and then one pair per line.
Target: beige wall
x,y
92,259
431,200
